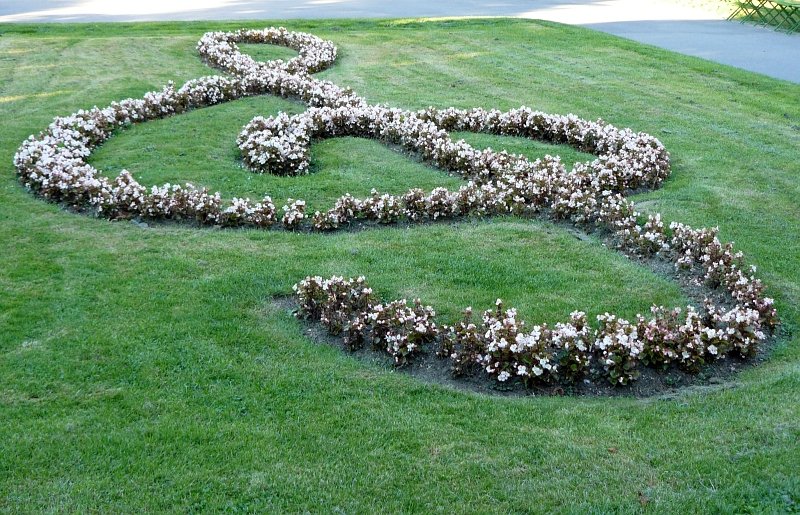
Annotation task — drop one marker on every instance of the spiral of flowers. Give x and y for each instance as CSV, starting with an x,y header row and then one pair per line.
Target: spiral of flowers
x,y
591,195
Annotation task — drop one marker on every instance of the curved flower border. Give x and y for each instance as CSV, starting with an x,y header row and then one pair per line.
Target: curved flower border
x,y
592,194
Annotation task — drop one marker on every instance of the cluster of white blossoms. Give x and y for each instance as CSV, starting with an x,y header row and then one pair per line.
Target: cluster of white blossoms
x,y
510,351
347,307
398,328
618,345
591,194
293,213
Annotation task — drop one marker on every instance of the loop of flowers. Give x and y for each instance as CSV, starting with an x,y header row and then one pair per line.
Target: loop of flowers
x,y
221,50
626,160
592,194
503,348
53,164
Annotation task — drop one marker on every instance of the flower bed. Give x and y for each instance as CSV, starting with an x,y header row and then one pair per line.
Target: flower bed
x,y
591,195
503,347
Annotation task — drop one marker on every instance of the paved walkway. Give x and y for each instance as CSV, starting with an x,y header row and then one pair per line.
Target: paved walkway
x,y
661,23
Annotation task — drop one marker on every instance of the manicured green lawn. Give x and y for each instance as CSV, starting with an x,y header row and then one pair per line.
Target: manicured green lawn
x,y
147,369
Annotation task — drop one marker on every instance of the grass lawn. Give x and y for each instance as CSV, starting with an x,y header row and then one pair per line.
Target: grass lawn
x,y
148,370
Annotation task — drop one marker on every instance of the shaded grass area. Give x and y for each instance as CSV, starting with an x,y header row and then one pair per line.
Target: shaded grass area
x,y
147,370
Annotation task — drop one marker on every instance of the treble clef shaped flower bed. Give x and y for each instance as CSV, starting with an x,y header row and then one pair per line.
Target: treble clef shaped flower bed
x,y
591,196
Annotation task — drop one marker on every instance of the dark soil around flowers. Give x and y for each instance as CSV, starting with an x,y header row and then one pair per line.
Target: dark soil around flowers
x,y
428,367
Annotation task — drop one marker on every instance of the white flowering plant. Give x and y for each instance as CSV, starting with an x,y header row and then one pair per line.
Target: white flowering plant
x,y
510,352
462,344
293,213
337,304
618,346
572,342
400,329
